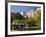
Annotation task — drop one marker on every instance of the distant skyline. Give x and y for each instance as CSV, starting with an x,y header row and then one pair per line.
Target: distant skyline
x,y
15,8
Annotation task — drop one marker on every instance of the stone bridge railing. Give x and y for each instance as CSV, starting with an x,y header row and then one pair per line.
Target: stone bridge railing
x,y
22,27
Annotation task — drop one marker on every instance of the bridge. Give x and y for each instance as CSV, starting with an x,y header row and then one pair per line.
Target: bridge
x,y
22,27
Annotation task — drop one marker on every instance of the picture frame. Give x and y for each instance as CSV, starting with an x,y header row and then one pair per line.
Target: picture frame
x,y
23,3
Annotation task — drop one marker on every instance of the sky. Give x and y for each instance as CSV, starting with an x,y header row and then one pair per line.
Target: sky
x,y
15,8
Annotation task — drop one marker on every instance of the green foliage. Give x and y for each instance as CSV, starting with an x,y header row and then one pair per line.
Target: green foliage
x,y
31,21
19,21
16,16
35,21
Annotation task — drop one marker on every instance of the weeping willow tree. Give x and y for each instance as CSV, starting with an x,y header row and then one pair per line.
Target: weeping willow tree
x,y
38,17
36,20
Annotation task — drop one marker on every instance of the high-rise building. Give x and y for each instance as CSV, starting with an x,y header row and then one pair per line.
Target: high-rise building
x,y
30,13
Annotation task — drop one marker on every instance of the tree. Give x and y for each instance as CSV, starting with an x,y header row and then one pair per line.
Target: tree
x,y
36,20
31,22
16,16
